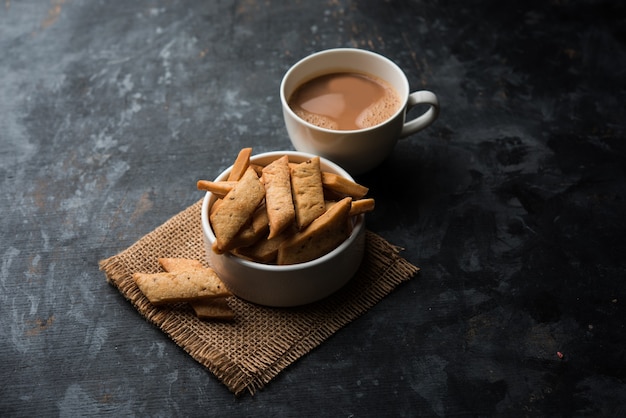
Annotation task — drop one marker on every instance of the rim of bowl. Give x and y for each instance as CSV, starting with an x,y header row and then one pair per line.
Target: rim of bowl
x,y
207,230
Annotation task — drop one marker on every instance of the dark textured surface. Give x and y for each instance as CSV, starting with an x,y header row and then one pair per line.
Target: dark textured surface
x,y
513,203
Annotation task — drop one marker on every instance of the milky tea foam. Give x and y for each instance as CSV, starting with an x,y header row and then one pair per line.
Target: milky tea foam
x,y
345,101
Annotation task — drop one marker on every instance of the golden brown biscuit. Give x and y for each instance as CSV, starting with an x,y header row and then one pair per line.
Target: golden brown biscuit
x,y
236,209
278,201
174,265
264,250
218,188
307,191
257,168
361,206
322,236
255,230
214,308
343,186
241,164
185,286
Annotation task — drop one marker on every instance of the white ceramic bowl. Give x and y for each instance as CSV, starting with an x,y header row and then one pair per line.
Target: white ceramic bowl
x,y
290,285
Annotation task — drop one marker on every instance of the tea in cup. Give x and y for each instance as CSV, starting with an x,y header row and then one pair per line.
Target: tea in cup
x,y
349,105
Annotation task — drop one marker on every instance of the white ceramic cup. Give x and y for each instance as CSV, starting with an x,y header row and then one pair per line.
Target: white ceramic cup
x,y
359,150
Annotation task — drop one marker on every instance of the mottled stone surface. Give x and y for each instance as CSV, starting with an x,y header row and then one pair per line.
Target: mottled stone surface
x,y
513,203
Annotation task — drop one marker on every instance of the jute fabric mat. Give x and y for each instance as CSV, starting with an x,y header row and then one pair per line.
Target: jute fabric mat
x,y
249,352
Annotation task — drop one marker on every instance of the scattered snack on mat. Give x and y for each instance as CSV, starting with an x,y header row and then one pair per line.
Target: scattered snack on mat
x,y
187,280
283,212
209,309
175,265
216,309
182,286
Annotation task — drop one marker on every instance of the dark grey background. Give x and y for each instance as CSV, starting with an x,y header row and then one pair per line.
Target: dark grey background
x,y
513,203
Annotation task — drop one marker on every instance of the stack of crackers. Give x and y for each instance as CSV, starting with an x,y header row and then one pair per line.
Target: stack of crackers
x,y
186,280
283,212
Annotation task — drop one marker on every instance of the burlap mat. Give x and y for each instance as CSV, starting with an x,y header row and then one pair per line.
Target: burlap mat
x,y
247,353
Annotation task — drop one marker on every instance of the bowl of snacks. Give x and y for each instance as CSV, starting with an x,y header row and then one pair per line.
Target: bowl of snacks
x,y
284,228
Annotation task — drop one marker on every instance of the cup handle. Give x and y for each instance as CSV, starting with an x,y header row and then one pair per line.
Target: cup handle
x,y
424,120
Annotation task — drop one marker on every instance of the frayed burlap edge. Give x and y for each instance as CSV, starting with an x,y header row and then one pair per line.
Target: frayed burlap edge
x,y
382,271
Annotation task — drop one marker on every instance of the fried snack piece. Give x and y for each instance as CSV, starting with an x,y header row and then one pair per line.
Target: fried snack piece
x,y
357,207
235,210
361,206
307,191
175,265
258,168
241,164
278,201
185,286
215,207
322,236
214,308
340,187
264,250
255,230
218,188
343,186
